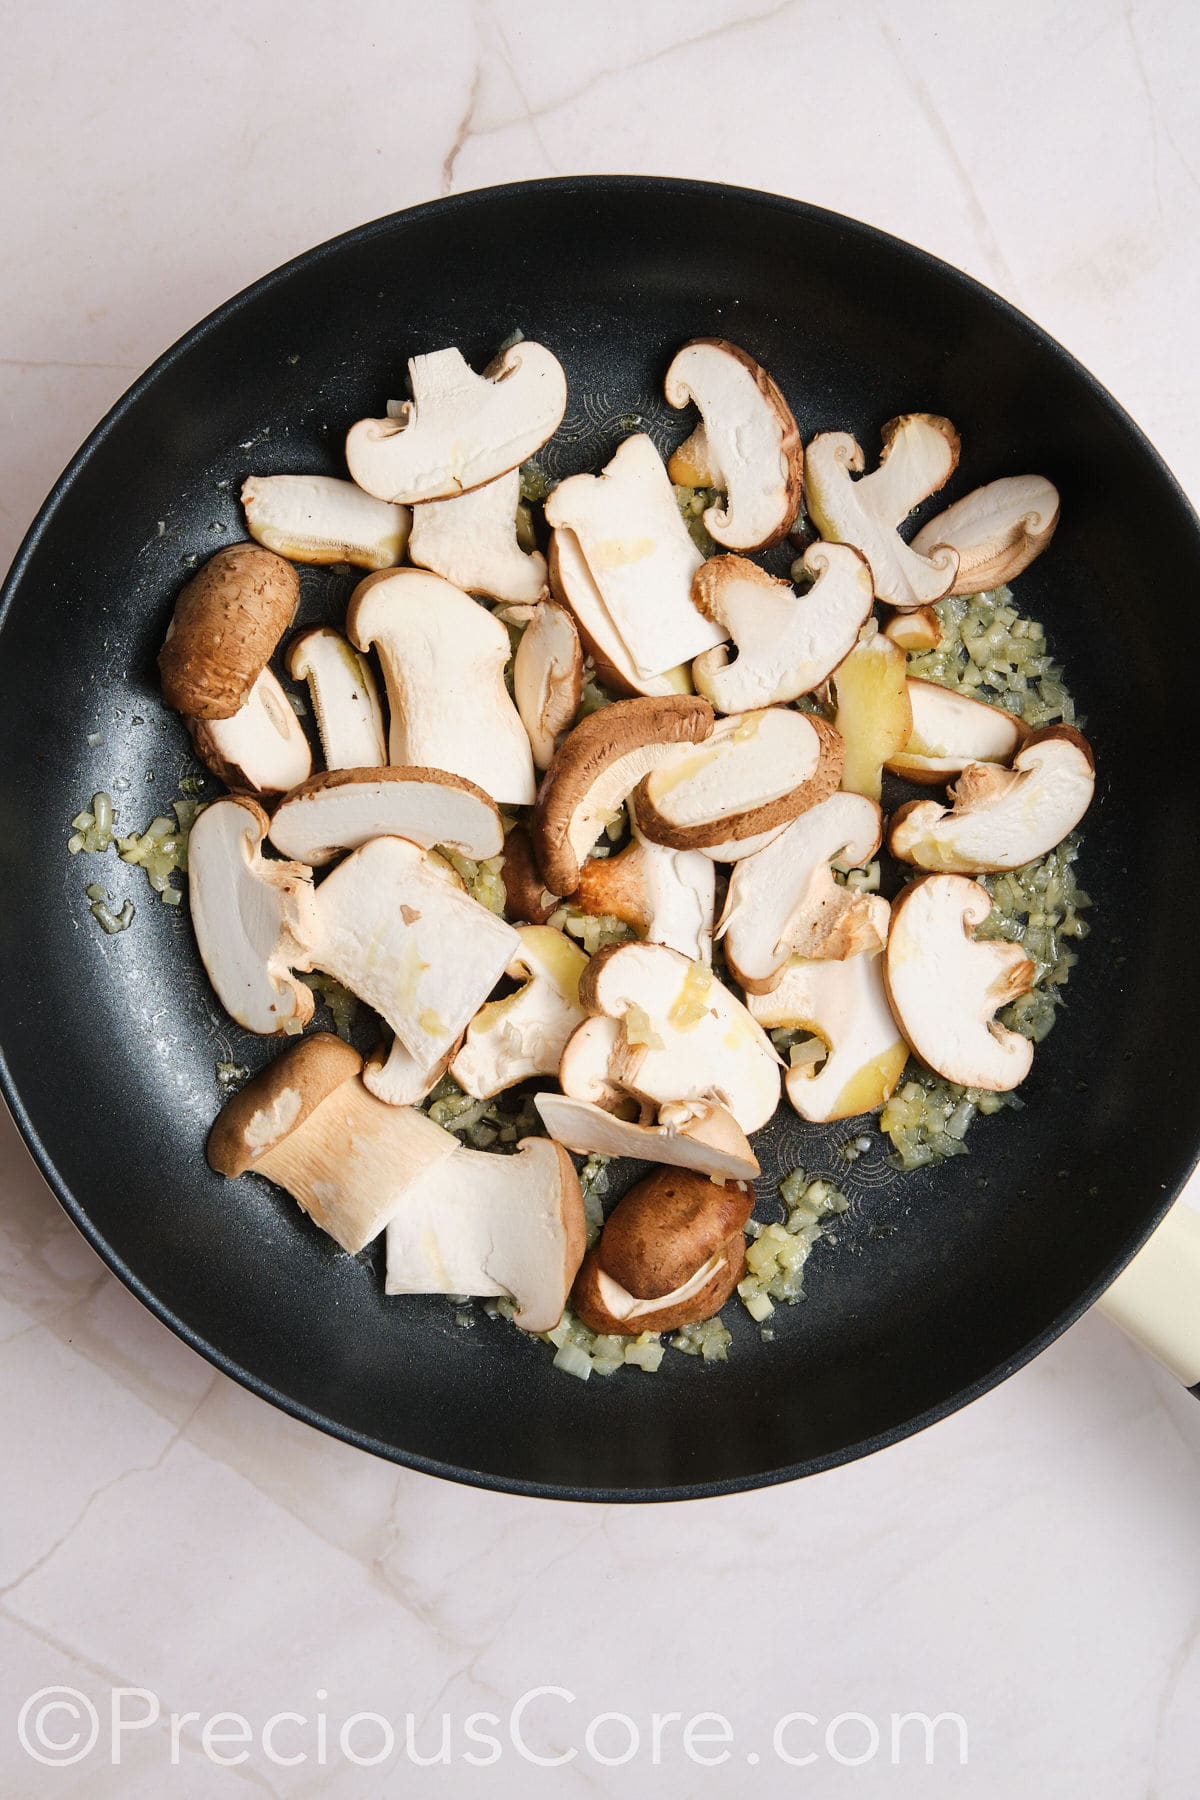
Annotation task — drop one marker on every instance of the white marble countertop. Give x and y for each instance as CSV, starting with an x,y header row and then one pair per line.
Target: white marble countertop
x,y
1033,1564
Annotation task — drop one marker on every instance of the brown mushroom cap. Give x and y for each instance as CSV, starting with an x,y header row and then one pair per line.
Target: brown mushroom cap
x,y
587,1296
527,897
228,619
278,1101
668,1226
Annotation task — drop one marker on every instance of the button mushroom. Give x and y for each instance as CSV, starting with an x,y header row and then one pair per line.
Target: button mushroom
x,y
345,808
571,583
995,532
547,676
787,644
950,730
524,1033
344,697
672,1251
920,453
262,749
668,896
1002,818
945,983
228,619
686,1136
253,918
471,540
785,902
874,713
444,657
460,429
747,444
319,519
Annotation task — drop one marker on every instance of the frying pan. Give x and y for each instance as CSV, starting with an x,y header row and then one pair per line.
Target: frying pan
x,y
940,1283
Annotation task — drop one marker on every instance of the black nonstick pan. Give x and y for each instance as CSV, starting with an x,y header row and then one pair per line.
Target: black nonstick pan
x,y
940,1283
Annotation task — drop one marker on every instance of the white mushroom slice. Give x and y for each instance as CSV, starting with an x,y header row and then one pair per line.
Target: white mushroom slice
x,y
732,850
319,519
787,644
460,429
583,1070
472,541
785,902
571,582
920,453
399,1078
845,1004
684,1036
950,730
344,697
596,768
444,657
524,1034
262,749
750,447
995,532
668,896
920,629
1002,818
344,808
253,918
547,677
756,770
687,1137
945,984
492,1226
639,554
307,1122
874,713
397,933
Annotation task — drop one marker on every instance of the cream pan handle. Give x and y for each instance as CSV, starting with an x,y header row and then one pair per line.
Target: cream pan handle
x,y
1156,1298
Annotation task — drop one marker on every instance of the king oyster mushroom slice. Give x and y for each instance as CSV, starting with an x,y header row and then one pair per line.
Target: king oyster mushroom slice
x,y
920,453
785,902
524,1033
262,749
873,714
345,698
345,808
319,519
253,918
460,429
687,1136
684,1036
547,674
471,540
945,984
444,657
668,896
639,554
227,621
1002,818
757,770
749,443
493,1226
995,532
787,644
571,583
595,769
307,1123
844,1004
950,730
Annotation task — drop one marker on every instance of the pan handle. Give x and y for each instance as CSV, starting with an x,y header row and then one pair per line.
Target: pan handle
x,y
1156,1298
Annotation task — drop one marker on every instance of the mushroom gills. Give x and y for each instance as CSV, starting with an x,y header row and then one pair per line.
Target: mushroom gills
x,y
320,519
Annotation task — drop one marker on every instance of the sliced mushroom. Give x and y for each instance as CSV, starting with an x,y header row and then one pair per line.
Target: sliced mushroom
x,y
524,1033
995,532
444,657
595,769
228,619
672,1251
874,713
757,770
945,984
785,902
571,583
547,677
704,1137
950,730
262,749
471,540
750,446
493,1226
844,1004
526,897
460,429
920,453
344,808
307,1122
253,918
344,697
668,896
787,644
920,629
584,1070
319,519
732,850
1002,818
393,1074
639,554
